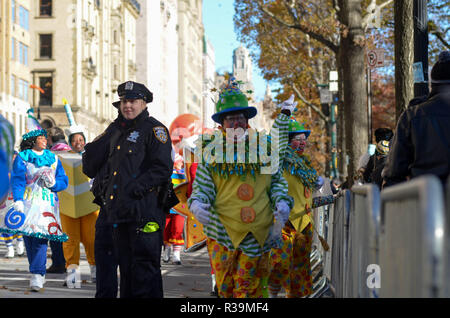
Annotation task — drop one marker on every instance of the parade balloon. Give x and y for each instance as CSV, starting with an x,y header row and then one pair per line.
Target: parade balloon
x,y
185,125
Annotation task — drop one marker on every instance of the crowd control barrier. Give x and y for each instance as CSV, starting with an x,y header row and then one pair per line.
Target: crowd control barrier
x,y
337,240
412,234
362,246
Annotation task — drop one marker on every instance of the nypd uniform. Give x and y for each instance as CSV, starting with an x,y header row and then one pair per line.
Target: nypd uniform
x,y
131,162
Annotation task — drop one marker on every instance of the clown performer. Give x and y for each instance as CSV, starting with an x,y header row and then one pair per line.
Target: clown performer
x,y
36,177
237,200
181,127
78,213
290,264
173,231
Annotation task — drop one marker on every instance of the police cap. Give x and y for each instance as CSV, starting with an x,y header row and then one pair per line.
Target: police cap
x,y
133,90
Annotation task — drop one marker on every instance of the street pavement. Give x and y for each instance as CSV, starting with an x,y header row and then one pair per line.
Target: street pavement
x,y
192,279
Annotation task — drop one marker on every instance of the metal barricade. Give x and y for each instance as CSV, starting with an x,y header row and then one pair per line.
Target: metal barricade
x,y
447,241
412,235
320,281
362,249
337,237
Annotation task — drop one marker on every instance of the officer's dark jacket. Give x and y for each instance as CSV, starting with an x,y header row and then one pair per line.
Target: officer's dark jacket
x,y
128,170
421,143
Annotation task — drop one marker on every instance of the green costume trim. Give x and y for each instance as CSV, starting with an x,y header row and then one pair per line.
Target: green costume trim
x,y
225,169
300,166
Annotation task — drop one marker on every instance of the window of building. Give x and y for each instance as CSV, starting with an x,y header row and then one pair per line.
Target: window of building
x,y
45,46
13,85
13,48
23,53
46,83
23,89
45,8
13,11
24,17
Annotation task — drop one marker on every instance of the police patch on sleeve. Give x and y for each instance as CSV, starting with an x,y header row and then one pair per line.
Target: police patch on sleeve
x,y
161,134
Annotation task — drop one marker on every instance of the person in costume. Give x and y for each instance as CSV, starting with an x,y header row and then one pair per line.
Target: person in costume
x,y
173,231
79,226
182,129
237,202
290,263
56,143
36,177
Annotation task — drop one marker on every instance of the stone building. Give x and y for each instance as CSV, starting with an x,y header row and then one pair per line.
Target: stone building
x,y
81,51
190,56
15,57
157,56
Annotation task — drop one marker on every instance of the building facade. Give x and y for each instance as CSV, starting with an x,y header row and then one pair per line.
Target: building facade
x,y
15,50
209,77
190,57
82,51
243,70
157,56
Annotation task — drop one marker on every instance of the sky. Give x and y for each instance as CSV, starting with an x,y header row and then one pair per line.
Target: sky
x,y
219,29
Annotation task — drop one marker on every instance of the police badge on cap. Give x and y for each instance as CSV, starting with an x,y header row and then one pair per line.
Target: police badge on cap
x,y
133,90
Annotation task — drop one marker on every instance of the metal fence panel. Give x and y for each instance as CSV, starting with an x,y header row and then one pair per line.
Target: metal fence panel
x,y
362,240
339,224
412,234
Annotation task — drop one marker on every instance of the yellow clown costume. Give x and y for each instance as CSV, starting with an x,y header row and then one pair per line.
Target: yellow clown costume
x,y
290,264
242,200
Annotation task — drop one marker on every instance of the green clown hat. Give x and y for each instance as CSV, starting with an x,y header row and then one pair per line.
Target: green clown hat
x,y
296,128
231,99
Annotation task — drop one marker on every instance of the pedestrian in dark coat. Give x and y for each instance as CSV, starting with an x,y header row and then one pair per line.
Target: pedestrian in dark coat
x,y
132,165
421,143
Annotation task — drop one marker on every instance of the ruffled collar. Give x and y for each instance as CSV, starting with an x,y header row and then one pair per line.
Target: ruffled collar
x,y
252,153
46,159
300,166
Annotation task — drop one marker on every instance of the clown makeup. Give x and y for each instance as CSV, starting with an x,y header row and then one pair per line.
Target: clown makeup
x,y
235,121
235,125
298,142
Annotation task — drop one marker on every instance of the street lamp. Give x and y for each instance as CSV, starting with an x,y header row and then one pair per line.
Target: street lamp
x,y
328,96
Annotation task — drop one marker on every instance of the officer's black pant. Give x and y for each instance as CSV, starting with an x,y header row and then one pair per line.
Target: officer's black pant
x,y
139,256
106,263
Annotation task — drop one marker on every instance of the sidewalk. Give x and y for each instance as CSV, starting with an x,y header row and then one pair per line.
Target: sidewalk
x,y
192,279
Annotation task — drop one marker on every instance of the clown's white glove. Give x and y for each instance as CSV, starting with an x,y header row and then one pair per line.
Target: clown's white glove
x,y
288,104
18,206
201,212
282,212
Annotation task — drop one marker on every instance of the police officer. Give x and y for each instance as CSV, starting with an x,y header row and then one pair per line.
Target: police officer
x,y
132,165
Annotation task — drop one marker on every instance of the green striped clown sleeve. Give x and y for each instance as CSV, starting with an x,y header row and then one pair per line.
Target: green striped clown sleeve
x,y
7,139
280,132
203,188
279,190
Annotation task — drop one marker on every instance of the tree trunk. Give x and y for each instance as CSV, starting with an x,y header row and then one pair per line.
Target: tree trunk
x,y
352,61
404,55
342,153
